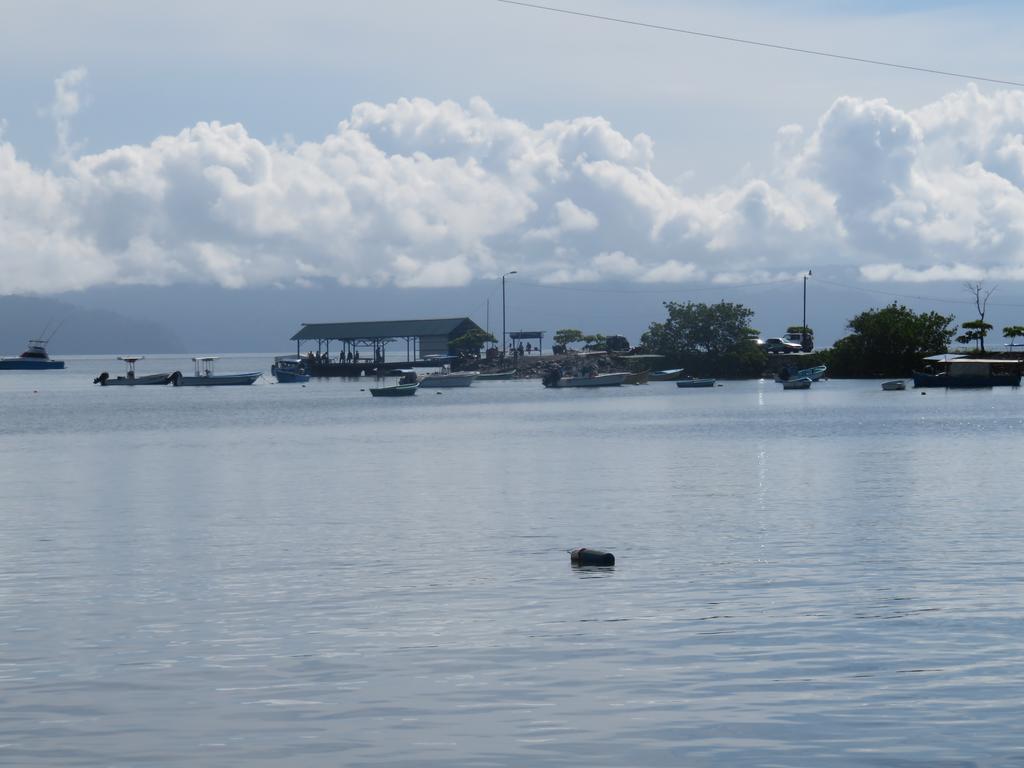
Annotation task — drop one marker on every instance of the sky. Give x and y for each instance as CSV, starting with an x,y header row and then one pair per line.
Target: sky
x,y
396,147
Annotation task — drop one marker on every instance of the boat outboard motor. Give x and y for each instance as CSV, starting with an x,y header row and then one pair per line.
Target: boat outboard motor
x,y
101,379
176,378
552,377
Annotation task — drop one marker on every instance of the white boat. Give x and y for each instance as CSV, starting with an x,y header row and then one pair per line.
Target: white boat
x,y
130,379
596,380
799,383
894,386
446,378
205,377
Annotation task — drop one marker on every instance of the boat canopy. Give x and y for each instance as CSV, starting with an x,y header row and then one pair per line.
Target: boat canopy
x,y
945,358
131,358
204,359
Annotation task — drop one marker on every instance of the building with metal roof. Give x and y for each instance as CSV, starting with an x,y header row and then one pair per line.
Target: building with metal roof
x,y
422,337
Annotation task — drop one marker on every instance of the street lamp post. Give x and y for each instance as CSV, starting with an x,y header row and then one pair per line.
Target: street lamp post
x,y
504,338
809,273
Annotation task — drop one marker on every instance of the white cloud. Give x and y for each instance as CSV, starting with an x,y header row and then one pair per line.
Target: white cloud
x,y
422,193
66,103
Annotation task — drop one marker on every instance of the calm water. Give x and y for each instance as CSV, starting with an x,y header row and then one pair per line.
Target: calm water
x,y
288,575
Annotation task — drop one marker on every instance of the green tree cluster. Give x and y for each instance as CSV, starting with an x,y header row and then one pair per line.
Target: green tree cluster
x,y
974,331
707,339
469,343
1011,332
890,341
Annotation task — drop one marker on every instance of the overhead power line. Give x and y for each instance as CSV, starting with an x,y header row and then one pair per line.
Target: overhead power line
x,y
762,44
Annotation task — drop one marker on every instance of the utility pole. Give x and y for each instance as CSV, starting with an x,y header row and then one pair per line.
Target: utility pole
x,y
504,339
809,273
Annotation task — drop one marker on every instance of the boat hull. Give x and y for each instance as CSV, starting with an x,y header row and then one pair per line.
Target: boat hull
x,y
924,380
601,380
669,375
286,376
152,379
283,377
441,380
814,374
18,364
398,390
499,376
695,383
215,380
894,386
801,383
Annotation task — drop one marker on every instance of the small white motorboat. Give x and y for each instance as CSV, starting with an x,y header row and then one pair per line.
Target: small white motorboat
x,y
894,386
130,379
205,377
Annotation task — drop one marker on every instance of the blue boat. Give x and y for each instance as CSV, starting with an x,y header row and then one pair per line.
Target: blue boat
x,y
290,370
32,359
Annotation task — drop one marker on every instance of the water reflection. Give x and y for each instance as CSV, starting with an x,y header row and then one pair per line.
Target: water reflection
x,y
303,576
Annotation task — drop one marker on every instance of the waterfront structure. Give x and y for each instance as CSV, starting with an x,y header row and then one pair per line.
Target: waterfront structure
x,y
362,346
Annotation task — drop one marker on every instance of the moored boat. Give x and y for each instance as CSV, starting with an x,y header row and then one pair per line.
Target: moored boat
x,y
290,370
639,377
894,386
799,383
395,390
971,373
447,378
130,379
205,376
814,374
34,358
496,376
556,380
695,383
672,374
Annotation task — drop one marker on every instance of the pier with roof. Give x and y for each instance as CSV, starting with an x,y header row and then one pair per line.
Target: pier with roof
x,y
361,347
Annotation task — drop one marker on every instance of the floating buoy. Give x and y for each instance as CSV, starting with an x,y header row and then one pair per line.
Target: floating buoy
x,y
584,556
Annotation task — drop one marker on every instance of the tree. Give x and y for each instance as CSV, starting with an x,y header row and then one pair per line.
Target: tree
x,y
593,341
1011,332
974,330
566,336
978,331
705,338
891,341
471,341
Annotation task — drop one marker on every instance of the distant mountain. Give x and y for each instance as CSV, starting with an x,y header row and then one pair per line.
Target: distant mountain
x,y
81,331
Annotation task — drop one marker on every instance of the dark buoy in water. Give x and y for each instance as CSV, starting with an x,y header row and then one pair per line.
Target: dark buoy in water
x,y
584,556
